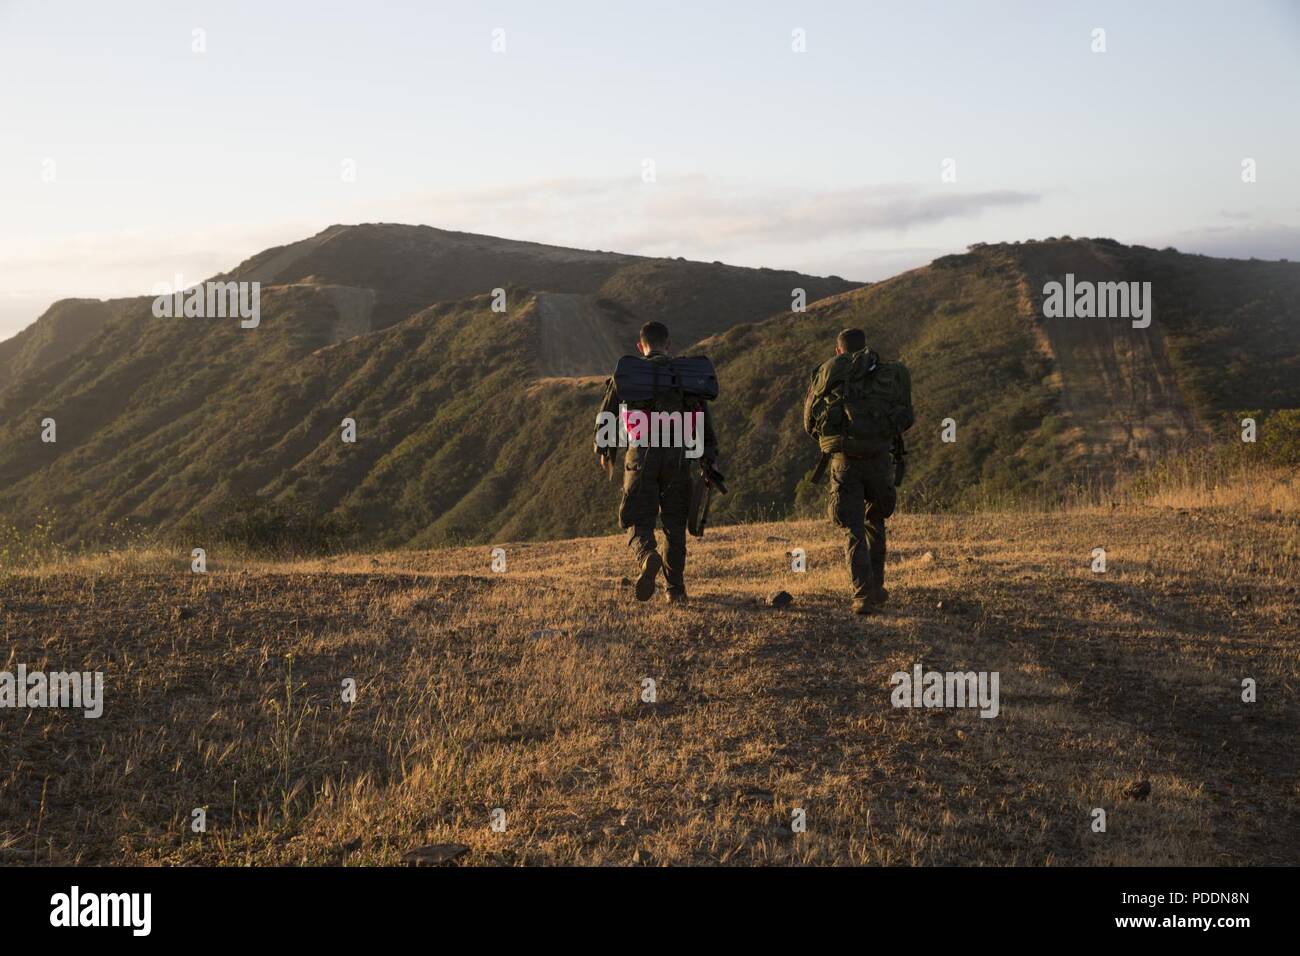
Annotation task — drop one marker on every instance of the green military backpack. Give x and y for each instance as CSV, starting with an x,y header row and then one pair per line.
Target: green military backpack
x,y
860,404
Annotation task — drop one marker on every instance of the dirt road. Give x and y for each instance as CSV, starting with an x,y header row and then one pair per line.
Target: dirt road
x,y
578,338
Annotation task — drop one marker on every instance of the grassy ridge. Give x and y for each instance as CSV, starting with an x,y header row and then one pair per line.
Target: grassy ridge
x,y
972,355
199,429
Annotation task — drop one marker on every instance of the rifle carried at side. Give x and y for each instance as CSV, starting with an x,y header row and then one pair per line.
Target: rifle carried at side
x,y
701,491
899,453
820,471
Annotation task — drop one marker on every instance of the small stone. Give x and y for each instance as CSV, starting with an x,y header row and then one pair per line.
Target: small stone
x,y
780,599
1138,790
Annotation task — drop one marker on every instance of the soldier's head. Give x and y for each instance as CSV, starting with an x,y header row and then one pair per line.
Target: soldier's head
x,y
654,338
850,341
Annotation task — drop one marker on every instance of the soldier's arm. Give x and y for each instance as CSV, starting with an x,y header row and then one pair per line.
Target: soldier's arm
x,y
608,405
808,403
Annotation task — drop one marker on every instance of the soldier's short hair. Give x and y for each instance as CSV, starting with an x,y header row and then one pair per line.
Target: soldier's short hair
x,y
852,340
654,334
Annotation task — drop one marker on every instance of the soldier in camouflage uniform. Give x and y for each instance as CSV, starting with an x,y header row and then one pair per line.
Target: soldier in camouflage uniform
x,y
862,497
657,485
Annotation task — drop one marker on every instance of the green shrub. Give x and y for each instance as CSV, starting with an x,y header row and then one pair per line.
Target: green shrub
x,y
269,526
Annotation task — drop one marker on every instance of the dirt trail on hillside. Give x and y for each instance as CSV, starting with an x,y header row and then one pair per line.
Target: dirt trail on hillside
x,y
355,307
578,338
1118,387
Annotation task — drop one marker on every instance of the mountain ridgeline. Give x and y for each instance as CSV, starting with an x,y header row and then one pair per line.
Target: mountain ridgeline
x,y
474,425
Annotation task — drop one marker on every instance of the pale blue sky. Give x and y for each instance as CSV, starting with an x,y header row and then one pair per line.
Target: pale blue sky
x,y
166,160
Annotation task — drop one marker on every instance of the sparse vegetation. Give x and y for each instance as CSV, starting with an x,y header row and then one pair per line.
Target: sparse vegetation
x,y
266,526
522,691
170,424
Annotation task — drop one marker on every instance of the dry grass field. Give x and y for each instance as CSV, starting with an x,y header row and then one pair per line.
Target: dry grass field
x,y
522,690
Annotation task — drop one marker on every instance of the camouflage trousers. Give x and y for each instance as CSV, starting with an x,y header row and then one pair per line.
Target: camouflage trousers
x,y
657,485
862,497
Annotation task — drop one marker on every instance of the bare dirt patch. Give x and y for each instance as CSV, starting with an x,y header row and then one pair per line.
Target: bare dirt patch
x,y
578,338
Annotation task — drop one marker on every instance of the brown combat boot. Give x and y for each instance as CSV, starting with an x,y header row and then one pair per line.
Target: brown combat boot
x,y
872,601
676,597
645,583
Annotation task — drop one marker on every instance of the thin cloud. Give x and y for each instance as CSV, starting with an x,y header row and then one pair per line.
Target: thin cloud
x,y
633,216
1266,240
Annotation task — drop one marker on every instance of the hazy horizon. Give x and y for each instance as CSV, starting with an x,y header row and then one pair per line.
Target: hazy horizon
x,y
145,149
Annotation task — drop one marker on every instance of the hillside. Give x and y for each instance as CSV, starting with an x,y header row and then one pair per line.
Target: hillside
x,y
163,419
474,425
523,690
406,268
66,326
421,264
1039,405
